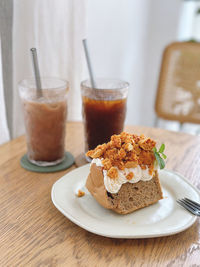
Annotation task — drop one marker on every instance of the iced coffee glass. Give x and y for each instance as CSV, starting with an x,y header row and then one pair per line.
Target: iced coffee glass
x,y
103,109
45,120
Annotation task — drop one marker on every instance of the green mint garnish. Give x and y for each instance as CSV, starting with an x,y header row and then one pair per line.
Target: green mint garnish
x,y
162,148
159,155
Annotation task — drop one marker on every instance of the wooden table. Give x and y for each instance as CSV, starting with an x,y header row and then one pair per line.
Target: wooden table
x,y
34,233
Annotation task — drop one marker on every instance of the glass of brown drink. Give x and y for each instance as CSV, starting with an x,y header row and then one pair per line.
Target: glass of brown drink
x,y
45,120
104,110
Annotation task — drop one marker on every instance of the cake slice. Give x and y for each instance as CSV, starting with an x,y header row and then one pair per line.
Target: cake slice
x,y
123,174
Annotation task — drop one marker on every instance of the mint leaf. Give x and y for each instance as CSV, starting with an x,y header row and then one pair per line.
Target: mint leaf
x,y
160,161
162,164
162,148
154,149
158,155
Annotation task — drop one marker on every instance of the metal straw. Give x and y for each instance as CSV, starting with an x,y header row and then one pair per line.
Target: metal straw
x,y
36,72
89,63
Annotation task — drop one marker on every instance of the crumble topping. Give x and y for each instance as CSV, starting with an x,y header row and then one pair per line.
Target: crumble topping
x,y
125,151
80,193
112,172
130,176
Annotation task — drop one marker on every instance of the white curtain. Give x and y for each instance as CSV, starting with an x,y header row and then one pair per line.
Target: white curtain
x,y
4,134
126,40
56,29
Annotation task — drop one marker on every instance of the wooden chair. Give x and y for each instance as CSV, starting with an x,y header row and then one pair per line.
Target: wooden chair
x,y
178,92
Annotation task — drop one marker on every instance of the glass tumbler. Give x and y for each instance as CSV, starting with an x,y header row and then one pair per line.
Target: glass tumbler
x,y
45,120
103,110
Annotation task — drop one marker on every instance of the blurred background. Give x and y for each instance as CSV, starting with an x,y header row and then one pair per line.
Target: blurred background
x,y
126,40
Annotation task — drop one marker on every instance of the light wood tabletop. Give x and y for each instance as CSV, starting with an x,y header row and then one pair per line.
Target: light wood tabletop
x,y
34,233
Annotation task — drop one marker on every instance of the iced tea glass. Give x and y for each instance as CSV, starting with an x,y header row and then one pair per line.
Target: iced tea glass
x,y
103,110
45,120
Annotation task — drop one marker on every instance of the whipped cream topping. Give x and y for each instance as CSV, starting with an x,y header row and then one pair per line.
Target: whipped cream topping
x,y
114,185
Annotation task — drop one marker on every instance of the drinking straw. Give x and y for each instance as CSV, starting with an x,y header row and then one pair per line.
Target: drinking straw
x,y
36,72
89,63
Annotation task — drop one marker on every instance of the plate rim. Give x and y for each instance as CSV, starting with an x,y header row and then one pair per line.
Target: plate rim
x,y
97,232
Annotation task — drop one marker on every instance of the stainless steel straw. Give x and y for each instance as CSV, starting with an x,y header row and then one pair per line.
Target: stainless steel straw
x,y
36,72
89,63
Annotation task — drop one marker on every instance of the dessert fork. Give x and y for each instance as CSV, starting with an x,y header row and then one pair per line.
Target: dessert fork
x,y
190,205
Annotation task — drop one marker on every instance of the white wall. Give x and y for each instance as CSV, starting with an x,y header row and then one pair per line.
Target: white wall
x,y
126,39
164,18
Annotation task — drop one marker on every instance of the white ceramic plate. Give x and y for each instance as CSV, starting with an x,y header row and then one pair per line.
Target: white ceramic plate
x,y
161,219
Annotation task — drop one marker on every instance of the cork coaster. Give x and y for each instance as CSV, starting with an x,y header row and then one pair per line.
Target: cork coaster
x,y
65,164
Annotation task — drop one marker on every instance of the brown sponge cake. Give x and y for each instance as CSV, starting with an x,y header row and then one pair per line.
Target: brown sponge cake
x,y
130,196
136,196
95,185
123,175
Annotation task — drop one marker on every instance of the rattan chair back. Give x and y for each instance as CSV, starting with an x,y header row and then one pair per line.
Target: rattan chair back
x,y
178,92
